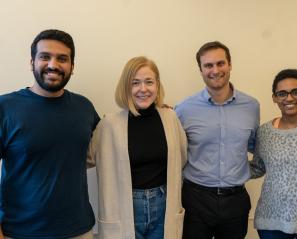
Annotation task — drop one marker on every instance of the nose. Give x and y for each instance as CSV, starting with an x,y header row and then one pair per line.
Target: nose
x,y
53,63
215,69
143,86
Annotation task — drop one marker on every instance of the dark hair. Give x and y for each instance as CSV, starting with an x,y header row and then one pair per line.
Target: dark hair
x,y
212,46
282,75
53,34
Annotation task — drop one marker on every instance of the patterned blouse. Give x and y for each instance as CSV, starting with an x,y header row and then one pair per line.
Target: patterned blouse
x,y
276,155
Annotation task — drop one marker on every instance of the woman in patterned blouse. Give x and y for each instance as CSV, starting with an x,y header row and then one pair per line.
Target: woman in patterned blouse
x,y
276,155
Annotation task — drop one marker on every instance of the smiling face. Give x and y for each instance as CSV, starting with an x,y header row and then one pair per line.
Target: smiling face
x,y
215,69
51,67
287,105
144,88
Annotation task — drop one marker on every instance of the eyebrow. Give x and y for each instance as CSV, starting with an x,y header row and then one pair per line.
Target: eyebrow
x,y
144,79
48,53
214,63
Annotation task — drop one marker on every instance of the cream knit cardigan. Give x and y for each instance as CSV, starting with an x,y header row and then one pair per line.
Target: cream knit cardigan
x,y
109,148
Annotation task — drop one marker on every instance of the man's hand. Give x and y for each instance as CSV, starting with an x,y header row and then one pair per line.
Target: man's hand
x,y
167,106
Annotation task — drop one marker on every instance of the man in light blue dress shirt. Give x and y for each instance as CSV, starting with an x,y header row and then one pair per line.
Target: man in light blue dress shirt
x,y
220,123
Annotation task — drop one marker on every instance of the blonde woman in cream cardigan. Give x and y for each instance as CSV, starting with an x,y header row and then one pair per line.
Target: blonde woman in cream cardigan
x,y
140,152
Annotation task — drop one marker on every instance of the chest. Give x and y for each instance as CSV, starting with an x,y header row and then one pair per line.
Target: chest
x,y
217,123
34,129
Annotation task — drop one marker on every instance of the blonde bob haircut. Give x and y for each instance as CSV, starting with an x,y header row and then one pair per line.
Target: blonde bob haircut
x,y
123,93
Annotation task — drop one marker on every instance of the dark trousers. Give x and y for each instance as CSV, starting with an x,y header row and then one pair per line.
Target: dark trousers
x,y
209,214
274,234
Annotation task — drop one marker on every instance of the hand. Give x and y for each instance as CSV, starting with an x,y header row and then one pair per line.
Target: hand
x,y
1,233
167,106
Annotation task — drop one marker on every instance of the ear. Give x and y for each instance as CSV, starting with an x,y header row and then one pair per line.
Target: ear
x,y
31,65
274,99
230,64
72,68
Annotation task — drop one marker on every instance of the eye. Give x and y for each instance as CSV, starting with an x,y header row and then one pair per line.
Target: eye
x,y
294,92
135,83
221,63
281,94
63,59
208,66
44,57
149,82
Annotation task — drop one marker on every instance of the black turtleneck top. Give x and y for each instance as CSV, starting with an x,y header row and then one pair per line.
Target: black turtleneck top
x,y
147,147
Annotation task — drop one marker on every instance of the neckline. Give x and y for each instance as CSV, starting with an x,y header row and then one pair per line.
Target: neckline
x,y
276,123
272,125
145,112
30,93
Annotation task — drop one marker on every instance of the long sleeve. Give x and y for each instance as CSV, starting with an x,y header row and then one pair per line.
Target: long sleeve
x,y
91,162
1,157
257,166
252,139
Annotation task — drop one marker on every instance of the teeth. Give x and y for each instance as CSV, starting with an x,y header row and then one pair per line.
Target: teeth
x,y
216,77
290,106
52,74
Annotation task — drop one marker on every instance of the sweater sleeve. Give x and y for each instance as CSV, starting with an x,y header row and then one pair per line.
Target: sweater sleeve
x,y
1,133
106,146
257,166
252,139
91,162
1,157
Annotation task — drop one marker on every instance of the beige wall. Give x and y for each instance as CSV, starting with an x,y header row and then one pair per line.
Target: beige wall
x,y
261,35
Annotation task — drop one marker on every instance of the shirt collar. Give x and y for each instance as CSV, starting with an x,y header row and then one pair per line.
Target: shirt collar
x,y
207,96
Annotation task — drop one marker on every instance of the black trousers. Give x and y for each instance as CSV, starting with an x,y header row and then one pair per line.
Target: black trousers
x,y
209,215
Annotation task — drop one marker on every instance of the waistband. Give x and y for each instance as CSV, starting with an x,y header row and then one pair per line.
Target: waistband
x,y
221,191
152,192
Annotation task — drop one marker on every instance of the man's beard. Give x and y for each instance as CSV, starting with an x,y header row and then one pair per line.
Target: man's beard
x,y
40,79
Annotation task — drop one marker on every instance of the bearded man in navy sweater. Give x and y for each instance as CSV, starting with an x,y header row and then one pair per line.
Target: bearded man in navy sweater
x,y
44,136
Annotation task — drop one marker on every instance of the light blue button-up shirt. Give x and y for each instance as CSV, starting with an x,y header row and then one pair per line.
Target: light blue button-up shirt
x,y
219,138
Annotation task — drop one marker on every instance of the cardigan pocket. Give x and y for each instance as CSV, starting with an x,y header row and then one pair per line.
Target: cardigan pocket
x,y
108,230
179,223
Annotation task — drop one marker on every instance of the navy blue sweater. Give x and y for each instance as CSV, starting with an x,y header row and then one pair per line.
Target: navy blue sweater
x,y
43,144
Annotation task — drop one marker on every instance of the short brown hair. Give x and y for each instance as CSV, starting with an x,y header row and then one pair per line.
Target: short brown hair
x,y
123,92
212,46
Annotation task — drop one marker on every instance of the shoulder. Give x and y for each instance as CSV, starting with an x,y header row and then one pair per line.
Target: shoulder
x,y
11,95
167,114
168,117
110,120
166,111
7,100
78,97
192,105
110,126
80,102
10,103
188,103
265,127
245,98
191,98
